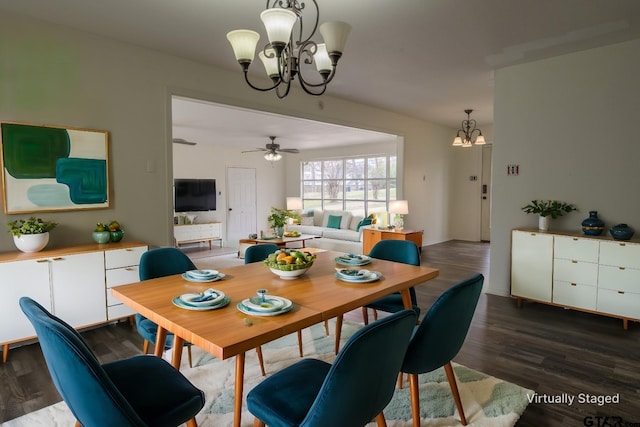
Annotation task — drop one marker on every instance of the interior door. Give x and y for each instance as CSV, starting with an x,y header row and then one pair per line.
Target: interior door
x,y
241,204
485,206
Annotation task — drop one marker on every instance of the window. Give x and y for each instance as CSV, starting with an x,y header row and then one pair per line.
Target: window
x,y
361,184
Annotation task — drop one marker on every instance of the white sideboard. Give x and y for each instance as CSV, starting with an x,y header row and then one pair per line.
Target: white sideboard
x,y
590,273
190,233
72,283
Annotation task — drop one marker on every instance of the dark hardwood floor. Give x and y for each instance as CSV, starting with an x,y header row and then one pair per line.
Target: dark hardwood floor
x,y
547,349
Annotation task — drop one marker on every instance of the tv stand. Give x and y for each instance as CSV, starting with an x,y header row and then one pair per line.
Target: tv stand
x,y
191,233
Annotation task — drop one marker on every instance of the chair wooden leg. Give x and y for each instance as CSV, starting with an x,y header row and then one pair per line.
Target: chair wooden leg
x,y
414,388
400,380
365,315
189,356
145,347
448,368
300,343
78,424
326,327
261,360
380,420
375,314
257,423
338,332
192,422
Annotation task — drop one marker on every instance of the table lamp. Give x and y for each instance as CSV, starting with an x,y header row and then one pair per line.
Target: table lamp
x,y
294,204
399,208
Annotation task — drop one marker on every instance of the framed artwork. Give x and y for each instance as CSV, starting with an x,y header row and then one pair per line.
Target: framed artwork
x,y
53,168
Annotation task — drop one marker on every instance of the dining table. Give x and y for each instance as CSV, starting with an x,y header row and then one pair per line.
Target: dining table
x,y
317,295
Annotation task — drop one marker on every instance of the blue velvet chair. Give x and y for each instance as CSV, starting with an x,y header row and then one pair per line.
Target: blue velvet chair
x,y
350,392
259,252
139,391
439,338
154,263
403,251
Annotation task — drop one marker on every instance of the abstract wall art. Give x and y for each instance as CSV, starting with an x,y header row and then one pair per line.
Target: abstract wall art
x,y
52,168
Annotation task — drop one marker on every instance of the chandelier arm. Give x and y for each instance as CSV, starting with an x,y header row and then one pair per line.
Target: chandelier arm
x,y
305,86
246,78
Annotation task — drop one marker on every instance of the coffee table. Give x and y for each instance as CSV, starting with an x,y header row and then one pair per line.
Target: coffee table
x,y
282,241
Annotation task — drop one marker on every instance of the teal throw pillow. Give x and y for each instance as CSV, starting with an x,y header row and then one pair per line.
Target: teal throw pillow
x,y
365,221
334,221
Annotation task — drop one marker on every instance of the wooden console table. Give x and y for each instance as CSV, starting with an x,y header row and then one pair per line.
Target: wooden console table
x,y
371,236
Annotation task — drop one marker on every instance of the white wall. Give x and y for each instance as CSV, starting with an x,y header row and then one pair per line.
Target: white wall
x,y
58,76
570,122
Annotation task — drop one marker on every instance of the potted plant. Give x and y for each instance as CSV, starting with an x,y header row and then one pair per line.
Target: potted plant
x,y
101,233
32,234
547,208
115,231
278,219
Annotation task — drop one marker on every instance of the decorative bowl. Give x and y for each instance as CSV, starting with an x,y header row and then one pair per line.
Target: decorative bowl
x,y
621,232
292,274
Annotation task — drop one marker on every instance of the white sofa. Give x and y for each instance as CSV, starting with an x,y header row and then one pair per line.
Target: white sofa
x,y
347,238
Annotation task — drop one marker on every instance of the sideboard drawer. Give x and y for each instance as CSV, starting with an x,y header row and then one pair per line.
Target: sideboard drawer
x,y
574,271
624,304
118,258
620,254
619,279
574,295
576,248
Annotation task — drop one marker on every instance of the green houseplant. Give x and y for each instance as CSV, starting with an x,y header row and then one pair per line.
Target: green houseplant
x,y
547,208
278,219
32,234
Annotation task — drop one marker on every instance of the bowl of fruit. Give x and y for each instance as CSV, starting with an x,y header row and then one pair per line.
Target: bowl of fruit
x,y
289,263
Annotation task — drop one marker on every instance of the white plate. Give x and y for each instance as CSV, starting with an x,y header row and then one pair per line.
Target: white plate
x,y
272,303
188,298
246,310
370,276
202,274
179,303
351,259
185,276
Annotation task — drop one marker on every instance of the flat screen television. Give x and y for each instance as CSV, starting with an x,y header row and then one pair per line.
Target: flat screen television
x,y
194,195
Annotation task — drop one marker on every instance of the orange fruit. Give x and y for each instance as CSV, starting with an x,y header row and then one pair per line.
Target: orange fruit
x,y
281,256
290,259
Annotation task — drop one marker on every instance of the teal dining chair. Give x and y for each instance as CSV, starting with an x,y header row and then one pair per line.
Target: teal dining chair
x,y
259,252
350,392
139,391
403,251
439,337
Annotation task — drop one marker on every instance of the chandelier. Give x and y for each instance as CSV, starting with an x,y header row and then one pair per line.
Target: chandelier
x,y
464,137
288,49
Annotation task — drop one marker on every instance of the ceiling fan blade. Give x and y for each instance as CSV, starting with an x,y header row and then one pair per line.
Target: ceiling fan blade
x,y
183,141
289,150
257,149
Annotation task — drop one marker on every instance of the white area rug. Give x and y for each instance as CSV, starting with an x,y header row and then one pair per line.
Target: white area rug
x,y
488,401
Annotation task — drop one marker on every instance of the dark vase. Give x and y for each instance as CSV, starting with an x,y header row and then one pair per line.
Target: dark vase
x,y
621,232
593,226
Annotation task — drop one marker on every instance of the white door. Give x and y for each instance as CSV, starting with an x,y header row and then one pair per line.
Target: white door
x,y
485,206
241,204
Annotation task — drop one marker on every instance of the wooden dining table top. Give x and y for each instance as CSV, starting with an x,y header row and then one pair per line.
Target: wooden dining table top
x,y
317,296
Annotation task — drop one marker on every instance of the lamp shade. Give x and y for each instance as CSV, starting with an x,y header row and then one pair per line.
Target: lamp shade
x,y
278,22
335,34
399,207
321,58
244,44
270,62
294,203
480,139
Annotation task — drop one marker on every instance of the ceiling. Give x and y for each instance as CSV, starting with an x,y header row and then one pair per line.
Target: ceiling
x,y
429,59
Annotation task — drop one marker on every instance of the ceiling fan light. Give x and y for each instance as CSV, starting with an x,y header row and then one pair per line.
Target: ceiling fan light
x,y
272,157
335,34
322,60
279,24
244,44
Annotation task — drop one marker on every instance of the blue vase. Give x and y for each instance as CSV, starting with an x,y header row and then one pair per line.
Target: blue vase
x,y
621,232
593,226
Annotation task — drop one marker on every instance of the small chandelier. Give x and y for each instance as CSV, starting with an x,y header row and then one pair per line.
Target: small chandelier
x,y
287,50
464,137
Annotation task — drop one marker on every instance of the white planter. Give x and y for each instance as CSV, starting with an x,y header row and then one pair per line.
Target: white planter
x,y
31,242
543,223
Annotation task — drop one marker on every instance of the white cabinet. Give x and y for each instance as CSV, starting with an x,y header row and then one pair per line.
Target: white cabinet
x,y
575,272
596,274
189,233
122,267
531,265
619,279
71,283
21,278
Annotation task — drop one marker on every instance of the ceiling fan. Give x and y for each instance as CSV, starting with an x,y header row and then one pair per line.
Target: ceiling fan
x,y
273,150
